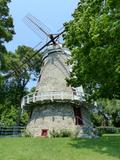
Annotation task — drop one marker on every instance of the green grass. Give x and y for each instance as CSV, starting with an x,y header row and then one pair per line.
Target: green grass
x,y
104,148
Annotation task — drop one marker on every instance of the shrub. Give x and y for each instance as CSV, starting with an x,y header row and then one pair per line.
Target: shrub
x,y
26,134
61,133
107,130
65,133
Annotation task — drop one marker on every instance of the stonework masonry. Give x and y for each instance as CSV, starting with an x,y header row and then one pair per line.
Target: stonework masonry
x,y
56,117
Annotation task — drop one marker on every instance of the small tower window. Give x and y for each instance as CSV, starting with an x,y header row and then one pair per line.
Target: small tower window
x,y
44,132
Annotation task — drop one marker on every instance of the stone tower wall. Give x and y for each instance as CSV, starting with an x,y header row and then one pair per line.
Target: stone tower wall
x,y
52,117
57,117
54,73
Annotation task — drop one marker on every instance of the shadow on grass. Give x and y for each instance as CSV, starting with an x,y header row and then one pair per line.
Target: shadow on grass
x,y
109,145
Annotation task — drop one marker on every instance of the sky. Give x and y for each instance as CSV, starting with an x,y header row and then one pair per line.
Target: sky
x,y
53,13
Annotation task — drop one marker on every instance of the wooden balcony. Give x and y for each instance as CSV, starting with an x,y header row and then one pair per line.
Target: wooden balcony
x,y
51,96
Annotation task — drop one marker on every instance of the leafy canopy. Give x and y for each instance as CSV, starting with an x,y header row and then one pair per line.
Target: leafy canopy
x,y
93,37
13,85
6,28
20,70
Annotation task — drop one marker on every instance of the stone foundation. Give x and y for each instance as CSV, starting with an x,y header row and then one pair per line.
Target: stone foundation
x,y
55,117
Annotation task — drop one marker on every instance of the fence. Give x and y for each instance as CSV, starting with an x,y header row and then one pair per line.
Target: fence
x,y
11,130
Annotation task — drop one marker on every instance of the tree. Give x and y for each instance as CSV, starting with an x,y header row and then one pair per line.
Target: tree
x,y
6,28
93,37
23,70
19,70
106,113
6,34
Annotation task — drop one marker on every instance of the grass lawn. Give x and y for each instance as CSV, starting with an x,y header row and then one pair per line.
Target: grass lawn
x,y
104,148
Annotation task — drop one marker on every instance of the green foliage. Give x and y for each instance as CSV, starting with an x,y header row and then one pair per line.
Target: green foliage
x,y
6,22
21,63
26,134
107,130
13,86
24,119
93,37
6,28
32,89
96,119
8,115
61,133
22,72
106,113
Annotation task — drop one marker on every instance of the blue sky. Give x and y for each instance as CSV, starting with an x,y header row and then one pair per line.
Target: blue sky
x,y
52,13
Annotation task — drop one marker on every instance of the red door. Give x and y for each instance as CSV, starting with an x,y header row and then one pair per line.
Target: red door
x,y
78,116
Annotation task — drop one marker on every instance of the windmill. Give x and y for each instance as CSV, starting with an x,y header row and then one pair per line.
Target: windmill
x,y
54,106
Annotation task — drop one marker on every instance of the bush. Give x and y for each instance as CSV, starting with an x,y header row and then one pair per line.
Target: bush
x,y
24,118
26,134
107,130
8,115
61,133
65,133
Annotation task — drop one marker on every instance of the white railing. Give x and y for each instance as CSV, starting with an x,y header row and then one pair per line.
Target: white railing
x,y
44,96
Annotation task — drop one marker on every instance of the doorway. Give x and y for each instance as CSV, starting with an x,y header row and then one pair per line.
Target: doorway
x,y
78,116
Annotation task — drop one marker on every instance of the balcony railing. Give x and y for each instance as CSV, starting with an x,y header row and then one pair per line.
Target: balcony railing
x,y
52,96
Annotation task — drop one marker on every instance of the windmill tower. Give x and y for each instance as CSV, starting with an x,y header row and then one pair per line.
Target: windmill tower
x,y
54,105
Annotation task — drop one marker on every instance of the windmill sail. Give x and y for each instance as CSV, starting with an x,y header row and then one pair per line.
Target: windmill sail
x,y
37,26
